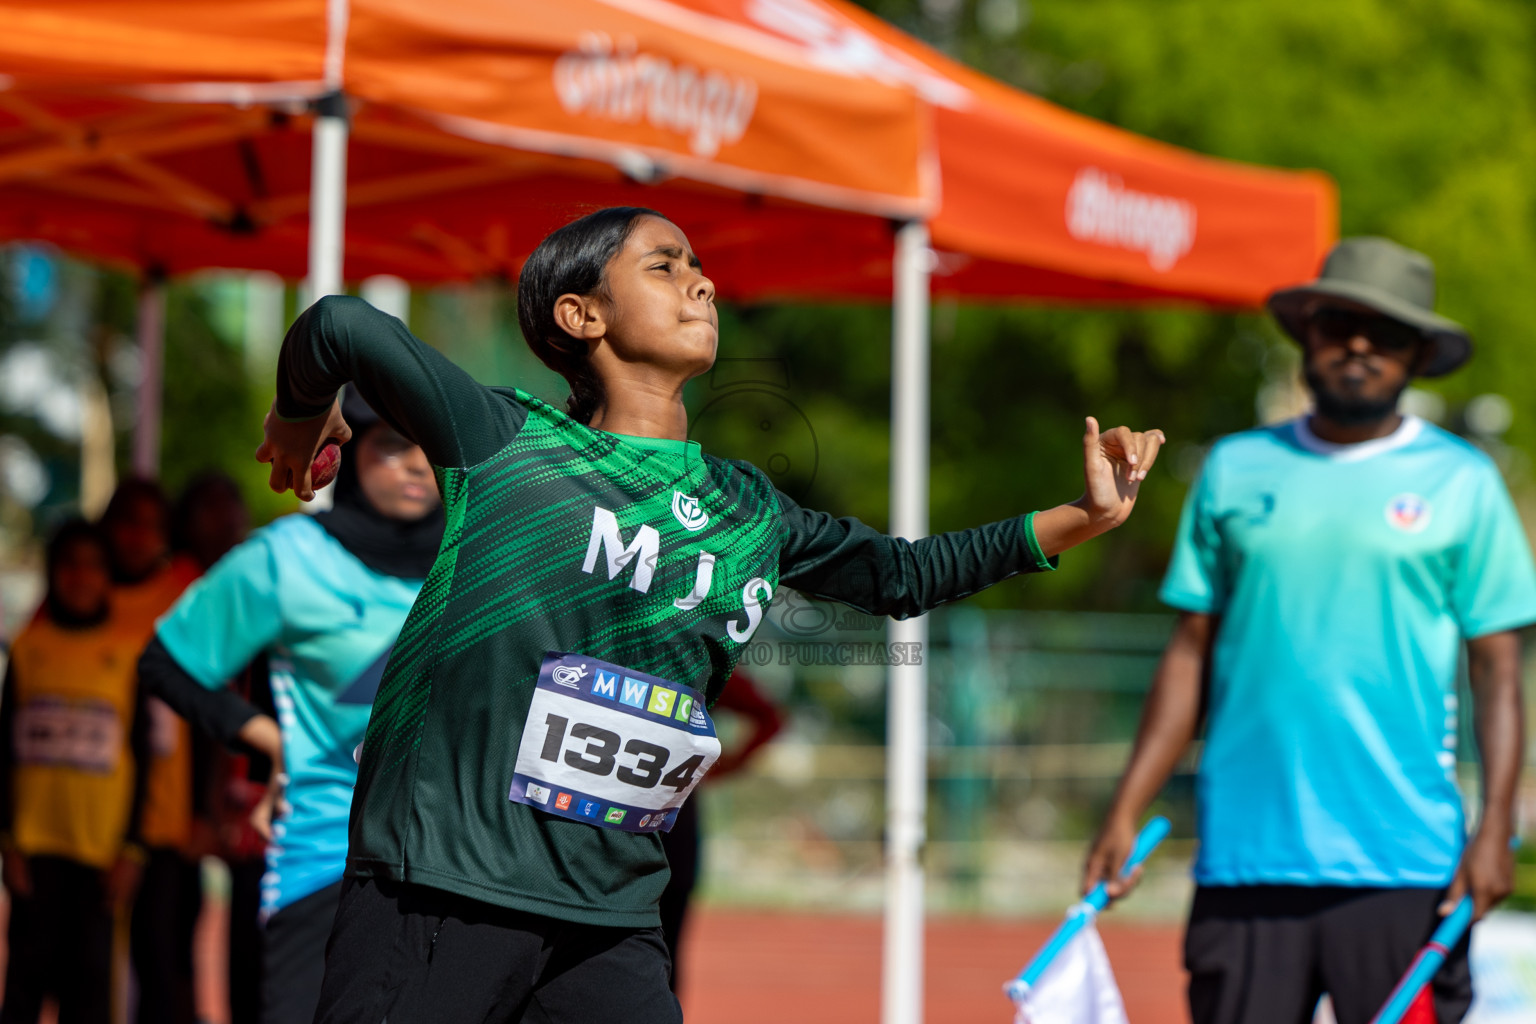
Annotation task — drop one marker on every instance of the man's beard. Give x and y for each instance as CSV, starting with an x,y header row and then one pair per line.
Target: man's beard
x,y
1350,410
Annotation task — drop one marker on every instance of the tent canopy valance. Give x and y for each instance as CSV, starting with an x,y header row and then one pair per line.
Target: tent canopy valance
x,y
175,135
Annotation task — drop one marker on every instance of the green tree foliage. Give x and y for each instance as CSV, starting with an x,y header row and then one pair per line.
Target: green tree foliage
x,y
212,408
1420,112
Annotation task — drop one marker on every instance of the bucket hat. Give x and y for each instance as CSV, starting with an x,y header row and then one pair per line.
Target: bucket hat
x,y
1386,277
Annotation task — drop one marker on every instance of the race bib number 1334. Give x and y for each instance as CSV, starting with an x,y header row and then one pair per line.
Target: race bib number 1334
x,y
611,746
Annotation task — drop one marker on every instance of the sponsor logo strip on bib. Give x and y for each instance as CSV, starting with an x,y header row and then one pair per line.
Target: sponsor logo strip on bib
x,y
611,746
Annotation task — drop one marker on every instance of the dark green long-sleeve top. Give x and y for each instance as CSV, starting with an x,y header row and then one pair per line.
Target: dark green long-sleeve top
x,y
644,553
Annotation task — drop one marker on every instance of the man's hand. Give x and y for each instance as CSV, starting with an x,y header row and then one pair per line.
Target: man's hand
x,y
1108,855
292,447
14,874
121,881
1114,465
1486,872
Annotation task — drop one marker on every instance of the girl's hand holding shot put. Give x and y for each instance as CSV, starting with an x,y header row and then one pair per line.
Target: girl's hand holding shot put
x,y
304,454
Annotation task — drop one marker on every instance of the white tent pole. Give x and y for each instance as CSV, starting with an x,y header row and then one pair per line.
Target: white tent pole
x,y
151,341
907,698
328,161
327,217
328,182
327,196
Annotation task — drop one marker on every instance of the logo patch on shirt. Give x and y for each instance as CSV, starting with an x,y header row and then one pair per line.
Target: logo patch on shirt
x,y
1408,512
688,512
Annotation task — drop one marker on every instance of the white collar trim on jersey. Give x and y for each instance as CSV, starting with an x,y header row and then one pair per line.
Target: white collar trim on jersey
x,y
1406,432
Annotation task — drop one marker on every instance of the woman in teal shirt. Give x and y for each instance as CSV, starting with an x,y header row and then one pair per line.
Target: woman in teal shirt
x,y
323,597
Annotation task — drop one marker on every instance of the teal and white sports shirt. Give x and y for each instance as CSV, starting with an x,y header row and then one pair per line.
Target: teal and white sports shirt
x,y
328,623
1347,578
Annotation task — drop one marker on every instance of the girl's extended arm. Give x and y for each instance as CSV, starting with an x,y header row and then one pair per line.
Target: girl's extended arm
x,y
416,389
845,560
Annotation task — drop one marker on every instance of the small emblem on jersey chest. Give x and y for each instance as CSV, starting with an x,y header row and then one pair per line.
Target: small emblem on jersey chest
x,y
688,512
1408,512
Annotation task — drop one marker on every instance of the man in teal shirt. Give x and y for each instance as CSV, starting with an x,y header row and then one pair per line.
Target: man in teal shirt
x,y
1330,571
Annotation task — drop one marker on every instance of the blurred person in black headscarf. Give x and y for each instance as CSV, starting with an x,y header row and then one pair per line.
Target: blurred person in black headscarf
x,y
325,596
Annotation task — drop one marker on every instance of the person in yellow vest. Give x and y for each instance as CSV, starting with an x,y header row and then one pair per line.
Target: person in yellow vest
x,y
146,582
208,519
72,732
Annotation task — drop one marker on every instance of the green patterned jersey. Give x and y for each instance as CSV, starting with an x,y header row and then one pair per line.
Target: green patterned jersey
x,y
636,552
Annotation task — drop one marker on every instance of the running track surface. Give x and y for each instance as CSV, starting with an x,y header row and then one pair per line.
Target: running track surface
x,y
755,967
761,967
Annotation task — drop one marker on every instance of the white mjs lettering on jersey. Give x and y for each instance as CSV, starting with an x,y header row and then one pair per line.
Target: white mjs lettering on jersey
x,y
644,551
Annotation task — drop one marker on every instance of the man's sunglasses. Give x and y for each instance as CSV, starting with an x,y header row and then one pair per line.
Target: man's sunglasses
x,y
1338,326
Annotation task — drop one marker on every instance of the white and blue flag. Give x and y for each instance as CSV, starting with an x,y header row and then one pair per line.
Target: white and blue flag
x,y
1077,987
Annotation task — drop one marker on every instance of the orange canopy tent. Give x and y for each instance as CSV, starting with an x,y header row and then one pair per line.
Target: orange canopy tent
x,y
176,135
786,136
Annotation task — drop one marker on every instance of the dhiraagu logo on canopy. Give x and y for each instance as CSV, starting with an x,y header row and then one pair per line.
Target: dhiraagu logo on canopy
x,y
1101,210
618,82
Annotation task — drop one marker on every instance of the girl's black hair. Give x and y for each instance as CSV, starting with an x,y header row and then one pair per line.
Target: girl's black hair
x,y
572,260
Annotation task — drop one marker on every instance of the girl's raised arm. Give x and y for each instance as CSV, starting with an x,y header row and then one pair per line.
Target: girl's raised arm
x,y
416,389
845,560
849,561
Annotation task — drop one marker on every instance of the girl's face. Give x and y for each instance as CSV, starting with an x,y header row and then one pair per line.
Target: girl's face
x,y
659,311
394,474
80,580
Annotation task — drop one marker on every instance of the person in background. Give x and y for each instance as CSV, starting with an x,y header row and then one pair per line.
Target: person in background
x,y
72,734
208,519
324,597
146,582
684,843
1331,573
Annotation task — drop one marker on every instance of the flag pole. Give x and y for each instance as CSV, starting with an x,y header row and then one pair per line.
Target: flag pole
x,y
1080,914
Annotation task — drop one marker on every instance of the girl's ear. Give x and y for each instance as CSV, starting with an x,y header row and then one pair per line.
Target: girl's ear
x,y
580,316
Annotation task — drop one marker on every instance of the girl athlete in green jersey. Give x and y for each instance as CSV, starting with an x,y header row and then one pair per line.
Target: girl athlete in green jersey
x,y
542,716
